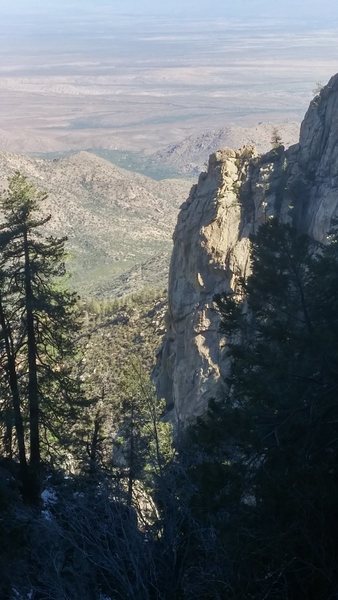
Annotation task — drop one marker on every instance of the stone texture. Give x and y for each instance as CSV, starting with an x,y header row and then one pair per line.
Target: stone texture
x,y
211,244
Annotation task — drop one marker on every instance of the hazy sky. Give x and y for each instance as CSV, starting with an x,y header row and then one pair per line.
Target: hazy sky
x,y
322,10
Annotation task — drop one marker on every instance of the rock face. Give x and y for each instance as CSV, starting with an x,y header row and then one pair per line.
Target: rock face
x,y
239,192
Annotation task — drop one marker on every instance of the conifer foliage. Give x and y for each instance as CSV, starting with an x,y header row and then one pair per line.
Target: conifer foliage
x,y
37,317
244,507
279,421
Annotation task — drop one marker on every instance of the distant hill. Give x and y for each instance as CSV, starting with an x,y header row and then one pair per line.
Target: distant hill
x,y
189,157
114,219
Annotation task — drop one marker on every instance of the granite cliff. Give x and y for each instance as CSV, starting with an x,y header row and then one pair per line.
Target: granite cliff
x,y
239,191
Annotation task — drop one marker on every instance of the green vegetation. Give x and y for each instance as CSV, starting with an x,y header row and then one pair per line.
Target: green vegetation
x,y
78,415
115,221
118,344
244,504
38,319
270,449
104,278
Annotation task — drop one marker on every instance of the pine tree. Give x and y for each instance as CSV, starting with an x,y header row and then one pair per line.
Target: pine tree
x,y
272,443
276,138
37,316
144,440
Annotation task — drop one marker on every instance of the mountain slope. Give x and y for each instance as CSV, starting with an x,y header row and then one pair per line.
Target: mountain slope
x,y
114,219
191,154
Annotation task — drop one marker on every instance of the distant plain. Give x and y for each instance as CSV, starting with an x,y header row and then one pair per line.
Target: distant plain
x,y
122,82
154,95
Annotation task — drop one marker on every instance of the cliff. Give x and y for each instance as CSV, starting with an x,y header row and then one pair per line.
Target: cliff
x,y
239,191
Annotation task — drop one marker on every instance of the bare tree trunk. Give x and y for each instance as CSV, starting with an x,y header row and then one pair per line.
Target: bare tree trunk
x,y
8,432
94,448
33,389
14,387
131,457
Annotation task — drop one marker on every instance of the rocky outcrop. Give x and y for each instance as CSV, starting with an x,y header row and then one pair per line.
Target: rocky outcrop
x,y
211,244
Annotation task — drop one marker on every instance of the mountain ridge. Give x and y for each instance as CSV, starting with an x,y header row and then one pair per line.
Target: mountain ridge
x,y
190,156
